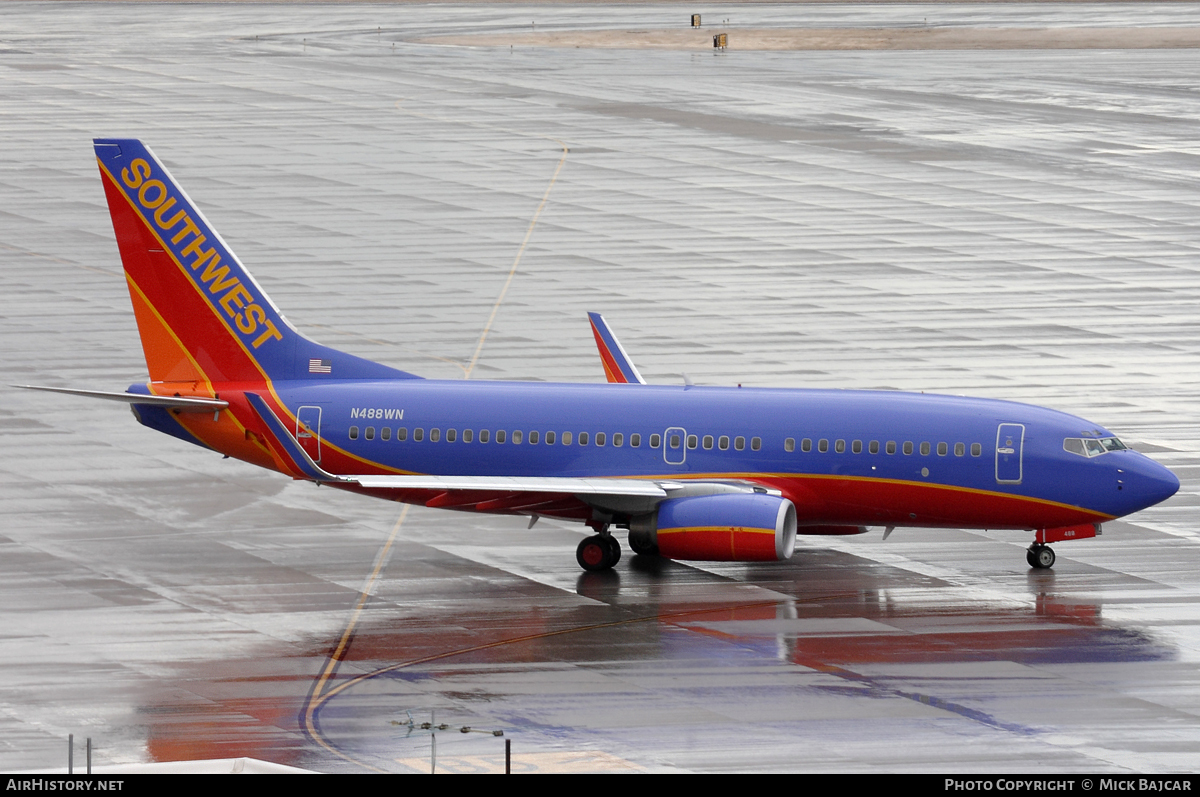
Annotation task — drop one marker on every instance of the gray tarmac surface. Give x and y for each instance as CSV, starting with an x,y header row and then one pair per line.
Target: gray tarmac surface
x,y
1018,225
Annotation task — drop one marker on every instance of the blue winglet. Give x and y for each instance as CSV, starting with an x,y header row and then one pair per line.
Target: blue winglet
x,y
618,368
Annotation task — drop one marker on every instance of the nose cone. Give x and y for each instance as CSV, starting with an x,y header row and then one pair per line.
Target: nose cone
x,y
1146,483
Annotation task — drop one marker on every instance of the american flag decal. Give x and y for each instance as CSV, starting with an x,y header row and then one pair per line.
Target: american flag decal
x,y
320,366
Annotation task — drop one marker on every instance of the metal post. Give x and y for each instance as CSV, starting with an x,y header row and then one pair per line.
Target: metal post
x,y
89,755
70,754
433,742
508,756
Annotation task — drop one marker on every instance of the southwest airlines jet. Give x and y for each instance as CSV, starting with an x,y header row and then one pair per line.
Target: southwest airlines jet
x,y
701,473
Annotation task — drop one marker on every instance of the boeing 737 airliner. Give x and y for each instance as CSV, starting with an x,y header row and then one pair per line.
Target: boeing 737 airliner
x,y
692,472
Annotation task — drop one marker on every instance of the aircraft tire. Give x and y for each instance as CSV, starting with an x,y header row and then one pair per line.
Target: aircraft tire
x,y
594,554
640,544
1040,557
614,549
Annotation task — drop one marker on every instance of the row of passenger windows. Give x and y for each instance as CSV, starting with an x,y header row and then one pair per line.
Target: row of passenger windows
x,y
674,441
856,446
517,437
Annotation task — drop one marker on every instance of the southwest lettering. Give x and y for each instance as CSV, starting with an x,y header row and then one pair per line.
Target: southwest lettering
x,y
158,186
271,332
194,247
235,296
247,323
162,209
141,170
189,226
217,277
237,302
203,258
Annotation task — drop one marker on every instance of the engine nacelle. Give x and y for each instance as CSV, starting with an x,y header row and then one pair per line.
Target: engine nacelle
x,y
747,527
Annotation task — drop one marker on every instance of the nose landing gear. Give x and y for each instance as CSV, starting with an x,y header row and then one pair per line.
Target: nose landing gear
x,y
1040,557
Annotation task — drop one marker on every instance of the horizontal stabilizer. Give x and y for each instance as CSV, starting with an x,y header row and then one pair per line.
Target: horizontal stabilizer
x,y
181,403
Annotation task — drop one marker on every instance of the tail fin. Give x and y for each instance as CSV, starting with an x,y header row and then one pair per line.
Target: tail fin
x,y
201,316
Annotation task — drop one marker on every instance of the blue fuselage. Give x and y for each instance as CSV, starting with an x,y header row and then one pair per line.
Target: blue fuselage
x,y
814,437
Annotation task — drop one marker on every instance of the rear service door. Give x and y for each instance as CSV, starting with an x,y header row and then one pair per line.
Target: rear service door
x,y
1010,441
308,431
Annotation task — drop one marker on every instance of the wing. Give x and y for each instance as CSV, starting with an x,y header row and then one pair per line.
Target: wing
x,y
512,494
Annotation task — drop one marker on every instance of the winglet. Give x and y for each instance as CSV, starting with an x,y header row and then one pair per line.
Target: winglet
x,y
618,368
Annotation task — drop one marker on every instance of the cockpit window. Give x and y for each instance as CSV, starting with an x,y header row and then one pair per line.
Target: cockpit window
x,y
1091,447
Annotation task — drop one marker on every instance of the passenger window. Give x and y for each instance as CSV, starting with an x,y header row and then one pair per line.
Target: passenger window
x,y
618,439
840,446
385,433
806,445
856,447
908,447
370,435
418,434
485,435
789,444
891,446
874,449
549,438
959,449
723,443
924,449
435,435
756,444
518,436
655,441
533,438
451,435
739,443
566,438
692,442
976,449
943,449
600,438
675,441
353,432
635,440
402,433
468,435
501,436
823,445
708,442
583,438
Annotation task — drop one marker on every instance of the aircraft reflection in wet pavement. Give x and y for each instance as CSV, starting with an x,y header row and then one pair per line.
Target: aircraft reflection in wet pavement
x,y
692,472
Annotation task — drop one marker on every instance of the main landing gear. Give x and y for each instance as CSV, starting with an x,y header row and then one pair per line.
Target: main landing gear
x,y
598,552
1040,557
